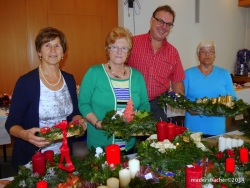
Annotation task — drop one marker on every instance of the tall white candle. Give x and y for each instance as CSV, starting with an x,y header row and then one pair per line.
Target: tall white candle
x,y
222,144
113,182
228,143
234,143
124,177
134,166
240,142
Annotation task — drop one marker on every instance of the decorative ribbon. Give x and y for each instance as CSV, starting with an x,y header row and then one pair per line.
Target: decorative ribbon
x,y
196,137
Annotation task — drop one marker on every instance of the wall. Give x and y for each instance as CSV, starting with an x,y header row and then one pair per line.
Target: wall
x,y
85,23
220,20
248,30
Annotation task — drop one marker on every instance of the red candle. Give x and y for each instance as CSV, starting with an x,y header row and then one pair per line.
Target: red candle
x,y
193,177
113,154
243,155
230,163
183,129
177,130
49,156
42,184
170,131
38,163
161,127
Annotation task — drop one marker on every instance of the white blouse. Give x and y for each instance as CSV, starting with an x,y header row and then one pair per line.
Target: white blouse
x,y
54,106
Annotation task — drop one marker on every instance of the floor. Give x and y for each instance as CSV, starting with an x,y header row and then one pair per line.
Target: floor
x,y
79,150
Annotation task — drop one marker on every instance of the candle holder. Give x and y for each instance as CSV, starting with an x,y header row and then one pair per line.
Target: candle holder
x,y
64,149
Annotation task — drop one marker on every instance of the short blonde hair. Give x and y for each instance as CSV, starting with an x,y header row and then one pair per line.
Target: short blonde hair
x,y
117,33
205,43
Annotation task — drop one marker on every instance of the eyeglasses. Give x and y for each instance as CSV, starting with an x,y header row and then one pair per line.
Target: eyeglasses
x,y
161,22
207,52
116,49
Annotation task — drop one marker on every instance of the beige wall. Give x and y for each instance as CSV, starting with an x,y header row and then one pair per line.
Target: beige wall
x,y
220,20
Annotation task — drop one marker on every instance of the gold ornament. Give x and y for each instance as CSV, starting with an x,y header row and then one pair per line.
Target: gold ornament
x,y
186,139
214,100
229,98
199,101
204,100
219,99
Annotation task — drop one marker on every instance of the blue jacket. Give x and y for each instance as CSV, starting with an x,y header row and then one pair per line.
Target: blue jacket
x,y
24,111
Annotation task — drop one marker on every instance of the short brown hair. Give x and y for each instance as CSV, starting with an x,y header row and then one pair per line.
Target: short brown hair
x,y
165,8
48,34
117,33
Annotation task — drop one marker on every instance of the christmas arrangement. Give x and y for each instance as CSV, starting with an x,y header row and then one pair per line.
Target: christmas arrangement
x,y
215,166
242,64
129,123
90,172
55,133
166,156
158,164
26,177
243,56
220,106
5,100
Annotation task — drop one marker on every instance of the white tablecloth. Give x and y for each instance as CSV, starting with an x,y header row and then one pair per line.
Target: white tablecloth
x,y
243,94
4,135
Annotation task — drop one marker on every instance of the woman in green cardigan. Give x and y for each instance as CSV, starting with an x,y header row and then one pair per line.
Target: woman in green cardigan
x,y
109,86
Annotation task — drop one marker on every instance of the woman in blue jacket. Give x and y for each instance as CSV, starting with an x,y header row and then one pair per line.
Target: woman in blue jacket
x,y
43,97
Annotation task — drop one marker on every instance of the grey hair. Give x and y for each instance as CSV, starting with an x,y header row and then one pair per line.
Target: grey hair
x,y
205,43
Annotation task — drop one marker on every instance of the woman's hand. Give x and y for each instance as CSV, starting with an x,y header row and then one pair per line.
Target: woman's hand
x,y
83,122
192,112
98,125
29,135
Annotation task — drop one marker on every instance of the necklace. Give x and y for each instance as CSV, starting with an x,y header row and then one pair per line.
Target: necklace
x,y
115,75
47,80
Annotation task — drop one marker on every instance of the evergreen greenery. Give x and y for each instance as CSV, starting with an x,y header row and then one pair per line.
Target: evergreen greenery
x,y
143,123
204,106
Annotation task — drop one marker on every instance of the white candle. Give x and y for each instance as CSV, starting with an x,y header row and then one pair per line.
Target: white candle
x,y
103,186
124,177
240,142
113,182
222,144
234,143
228,143
134,166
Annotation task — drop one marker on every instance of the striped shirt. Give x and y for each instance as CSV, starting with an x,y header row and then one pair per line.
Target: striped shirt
x,y
159,68
121,89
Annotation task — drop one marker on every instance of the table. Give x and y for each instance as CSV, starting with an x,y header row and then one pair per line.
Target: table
x,y
4,135
243,94
213,140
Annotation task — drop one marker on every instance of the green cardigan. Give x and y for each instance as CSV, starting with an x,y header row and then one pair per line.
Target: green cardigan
x,y
97,95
